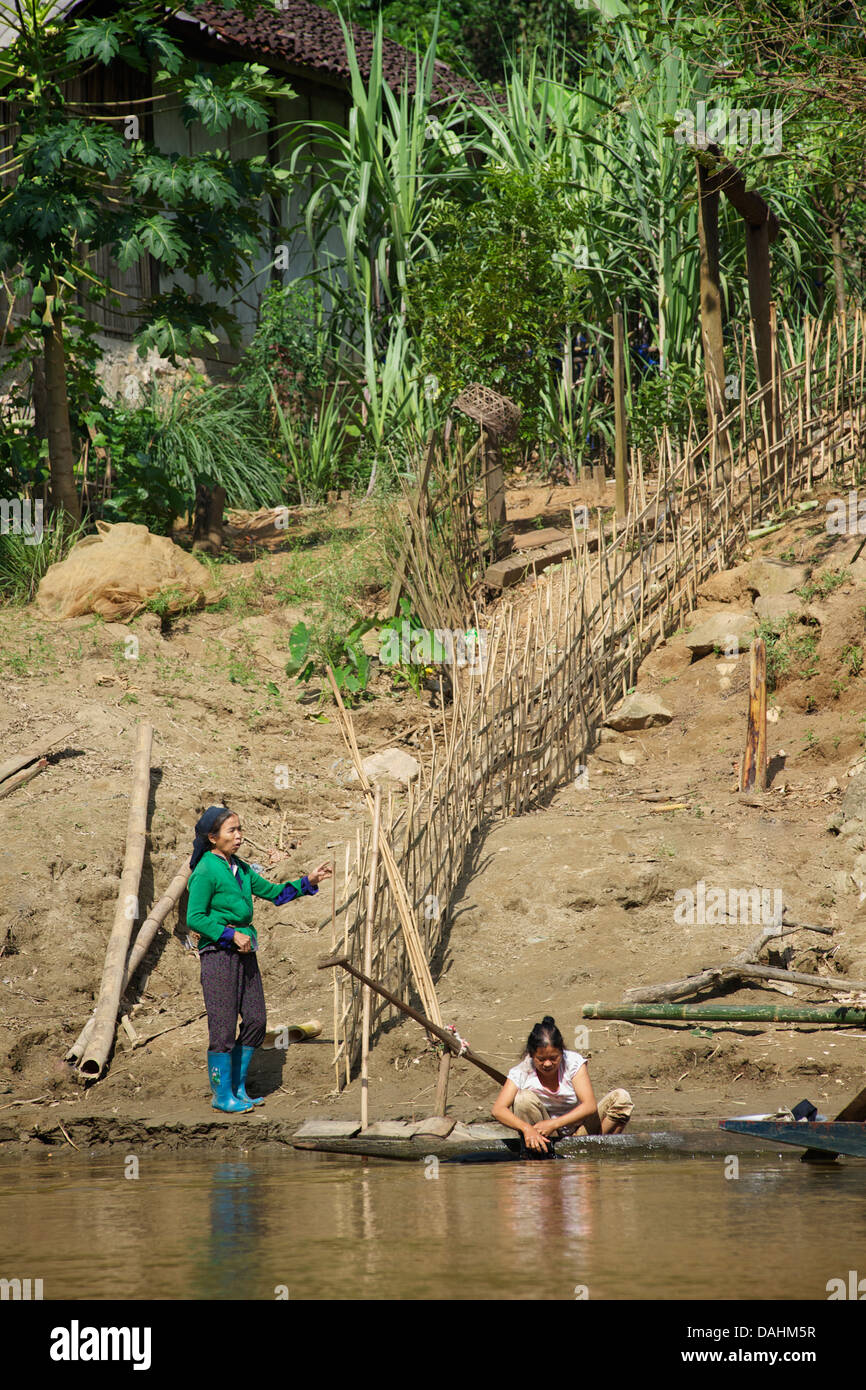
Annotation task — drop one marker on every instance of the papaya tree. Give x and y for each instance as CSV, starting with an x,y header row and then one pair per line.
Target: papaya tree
x,y
81,177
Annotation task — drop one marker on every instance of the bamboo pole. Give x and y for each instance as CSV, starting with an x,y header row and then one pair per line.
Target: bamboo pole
x,y
448,1038
420,968
368,962
728,1013
105,1018
336,1000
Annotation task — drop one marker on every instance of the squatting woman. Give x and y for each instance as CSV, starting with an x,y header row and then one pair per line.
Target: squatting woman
x,y
220,909
549,1093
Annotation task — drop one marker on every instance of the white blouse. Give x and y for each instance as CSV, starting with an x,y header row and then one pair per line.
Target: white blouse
x,y
564,1098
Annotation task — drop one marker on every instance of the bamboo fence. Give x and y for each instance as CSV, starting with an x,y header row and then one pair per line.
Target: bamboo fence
x,y
522,725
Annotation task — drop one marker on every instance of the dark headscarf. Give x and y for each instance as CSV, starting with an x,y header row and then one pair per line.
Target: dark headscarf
x,y
207,824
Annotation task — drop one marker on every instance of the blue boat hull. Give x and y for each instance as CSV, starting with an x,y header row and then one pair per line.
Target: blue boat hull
x,y
831,1136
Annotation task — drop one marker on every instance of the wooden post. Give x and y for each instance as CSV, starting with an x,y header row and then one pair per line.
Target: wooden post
x,y
753,771
621,446
368,961
494,484
711,304
126,912
600,486
442,1084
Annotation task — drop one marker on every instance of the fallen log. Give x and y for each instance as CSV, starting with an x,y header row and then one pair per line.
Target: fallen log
x,y
727,1013
26,775
726,970
146,932
105,1016
36,750
799,977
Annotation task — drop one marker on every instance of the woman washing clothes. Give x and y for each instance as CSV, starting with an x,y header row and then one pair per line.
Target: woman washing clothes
x,y
549,1094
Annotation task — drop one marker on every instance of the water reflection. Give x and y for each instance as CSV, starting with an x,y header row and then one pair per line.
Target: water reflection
x,y
236,1228
324,1227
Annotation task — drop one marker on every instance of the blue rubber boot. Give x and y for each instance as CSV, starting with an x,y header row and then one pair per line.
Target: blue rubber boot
x,y
241,1057
219,1066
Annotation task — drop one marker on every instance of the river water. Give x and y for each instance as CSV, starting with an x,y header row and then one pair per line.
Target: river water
x,y
312,1226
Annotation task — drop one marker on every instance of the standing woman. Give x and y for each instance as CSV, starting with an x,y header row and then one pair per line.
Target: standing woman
x,y
549,1092
220,909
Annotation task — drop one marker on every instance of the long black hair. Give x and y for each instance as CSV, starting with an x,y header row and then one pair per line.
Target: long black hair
x,y
544,1034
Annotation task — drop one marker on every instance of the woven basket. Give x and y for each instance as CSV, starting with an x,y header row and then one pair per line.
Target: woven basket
x,y
492,411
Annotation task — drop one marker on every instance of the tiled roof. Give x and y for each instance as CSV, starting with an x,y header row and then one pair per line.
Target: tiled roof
x,y
307,36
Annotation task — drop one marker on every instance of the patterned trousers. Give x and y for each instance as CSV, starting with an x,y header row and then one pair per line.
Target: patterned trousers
x,y
232,985
616,1105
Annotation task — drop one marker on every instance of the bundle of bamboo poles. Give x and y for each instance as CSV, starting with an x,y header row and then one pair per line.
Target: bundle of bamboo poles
x,y
100,1038
522,725
143,940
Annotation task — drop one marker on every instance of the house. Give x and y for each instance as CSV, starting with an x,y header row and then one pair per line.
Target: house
x,y
303,43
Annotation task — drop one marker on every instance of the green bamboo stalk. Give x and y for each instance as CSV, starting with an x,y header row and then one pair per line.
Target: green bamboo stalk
x,y
727,1013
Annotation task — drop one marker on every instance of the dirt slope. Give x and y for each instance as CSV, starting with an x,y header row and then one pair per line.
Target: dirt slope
x,y
570,904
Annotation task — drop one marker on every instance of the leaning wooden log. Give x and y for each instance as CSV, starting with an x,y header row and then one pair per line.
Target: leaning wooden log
x,y
146,932
727,1013
449,1039
25,775
105,1018
36,750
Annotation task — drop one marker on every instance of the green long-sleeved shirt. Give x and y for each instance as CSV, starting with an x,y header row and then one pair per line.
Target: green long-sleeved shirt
x,y
218,899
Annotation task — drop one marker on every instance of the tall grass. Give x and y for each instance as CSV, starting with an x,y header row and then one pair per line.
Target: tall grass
x,y
22,566
613,134
214,436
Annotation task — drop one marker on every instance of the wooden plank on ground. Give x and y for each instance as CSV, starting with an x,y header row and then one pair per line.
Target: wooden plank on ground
x,y
389,1129
437,1126
328,1129
513,568
531,540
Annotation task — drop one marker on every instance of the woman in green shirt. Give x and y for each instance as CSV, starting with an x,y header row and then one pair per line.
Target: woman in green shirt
x,y
220,909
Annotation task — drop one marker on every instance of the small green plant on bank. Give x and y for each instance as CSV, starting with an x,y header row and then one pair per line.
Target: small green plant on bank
x,y
409,672
824,585
788,654
310,655
170,602
853,658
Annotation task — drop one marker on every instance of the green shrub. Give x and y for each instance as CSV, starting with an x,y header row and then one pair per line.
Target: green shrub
x,y
164,448
493,301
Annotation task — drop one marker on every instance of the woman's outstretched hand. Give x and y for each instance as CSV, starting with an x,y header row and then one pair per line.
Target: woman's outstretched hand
x,y
323,871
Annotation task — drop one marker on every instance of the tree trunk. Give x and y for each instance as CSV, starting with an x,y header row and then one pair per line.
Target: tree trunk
x,y
64,495
208,525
